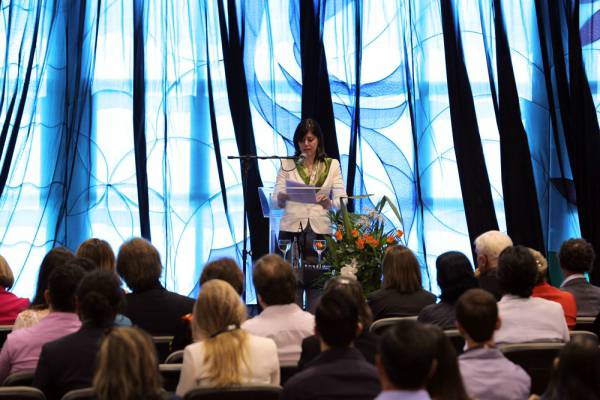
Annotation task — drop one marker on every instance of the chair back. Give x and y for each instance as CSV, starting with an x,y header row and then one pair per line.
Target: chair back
x,y
163,346
4,331
381,325
175,357
458,342
21,393
286,372
536,359
24,378
261,392
80,394
585,324
170,374
575,335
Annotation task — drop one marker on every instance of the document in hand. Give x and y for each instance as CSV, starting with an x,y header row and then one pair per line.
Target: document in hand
x,y
301,193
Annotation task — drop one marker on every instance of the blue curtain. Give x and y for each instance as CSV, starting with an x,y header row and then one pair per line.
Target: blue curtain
x,y
118,117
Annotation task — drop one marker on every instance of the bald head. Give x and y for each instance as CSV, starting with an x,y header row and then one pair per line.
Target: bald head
x,y
274,280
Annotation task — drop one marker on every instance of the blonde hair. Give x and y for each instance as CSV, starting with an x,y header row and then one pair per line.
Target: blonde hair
x,y
127,367
99,251
7,279
541,264
218,314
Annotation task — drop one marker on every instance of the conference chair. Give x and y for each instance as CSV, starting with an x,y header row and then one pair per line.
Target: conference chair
x,y
170,374
536,359
458,342
4,331
585,324
260,392
80,394
24,378
175,357
163,346
21,393
381,325
576,335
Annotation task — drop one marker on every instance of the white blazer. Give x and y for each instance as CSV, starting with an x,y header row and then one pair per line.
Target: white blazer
x,y
300,213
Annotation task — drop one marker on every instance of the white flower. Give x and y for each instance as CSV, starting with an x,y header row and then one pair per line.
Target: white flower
x,y
349,270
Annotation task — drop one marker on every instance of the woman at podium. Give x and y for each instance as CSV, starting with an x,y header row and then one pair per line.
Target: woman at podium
x,y
307,221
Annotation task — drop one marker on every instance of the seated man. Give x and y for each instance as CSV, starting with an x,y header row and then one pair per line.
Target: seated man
x,y
488,247
281,319
22,348
525,318
486,373
576,257
406,359
340,371
150,306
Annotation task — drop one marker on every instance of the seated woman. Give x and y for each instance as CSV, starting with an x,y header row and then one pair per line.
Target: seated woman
x,y
224,354
38,308
135,376
401,293
10,305
100,252
68,363
454,277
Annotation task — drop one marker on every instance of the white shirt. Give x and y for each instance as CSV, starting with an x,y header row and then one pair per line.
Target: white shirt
x,y
262,365
287,325
571,277
300,213
530,319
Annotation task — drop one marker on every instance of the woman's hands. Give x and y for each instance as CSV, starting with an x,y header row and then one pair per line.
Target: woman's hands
x,y
324,201
281,199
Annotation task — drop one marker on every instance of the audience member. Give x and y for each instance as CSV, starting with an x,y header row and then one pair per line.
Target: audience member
x,y
486,373
525,318
446,382
366,342
402,293
454,277
10,305
546,291
127,367
406,360
38,308
225,269
488,247
99,251
22,348
281,319
150,306
340,371
576,374
576,257
225,354
68,363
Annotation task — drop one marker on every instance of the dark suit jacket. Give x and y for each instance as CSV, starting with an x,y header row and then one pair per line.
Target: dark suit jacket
x,y
68,363
365,343
157,310
587,296
387,303
335,374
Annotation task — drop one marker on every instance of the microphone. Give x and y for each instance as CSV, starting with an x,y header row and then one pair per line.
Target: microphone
x,y
301,157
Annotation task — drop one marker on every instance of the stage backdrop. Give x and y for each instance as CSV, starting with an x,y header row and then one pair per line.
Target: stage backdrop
x,y
118,115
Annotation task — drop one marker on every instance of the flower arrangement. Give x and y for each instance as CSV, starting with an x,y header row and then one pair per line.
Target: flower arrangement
x,y
356,250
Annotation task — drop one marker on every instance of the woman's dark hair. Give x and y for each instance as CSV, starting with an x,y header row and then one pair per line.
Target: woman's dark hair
x,y
353,287
517,271
577,375
446,382
54,258
401,270
305,126
99,297
225,269
454,275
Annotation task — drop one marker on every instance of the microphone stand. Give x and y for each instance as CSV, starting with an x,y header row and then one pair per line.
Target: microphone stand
x,y
246,163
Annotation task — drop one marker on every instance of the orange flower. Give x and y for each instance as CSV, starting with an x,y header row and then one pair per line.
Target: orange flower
x,y
338,236
368,238
374,243
390,240
360,243
354,232
399,233
319,245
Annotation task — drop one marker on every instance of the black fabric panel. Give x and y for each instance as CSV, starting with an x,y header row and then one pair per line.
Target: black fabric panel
x,y
139,117
521,207
576,115
316,93
472,171
239,104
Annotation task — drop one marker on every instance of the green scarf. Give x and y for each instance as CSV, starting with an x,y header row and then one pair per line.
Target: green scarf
x,y
321,174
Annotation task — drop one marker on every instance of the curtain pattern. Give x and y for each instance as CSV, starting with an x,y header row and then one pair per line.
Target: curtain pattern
x,y
118,117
